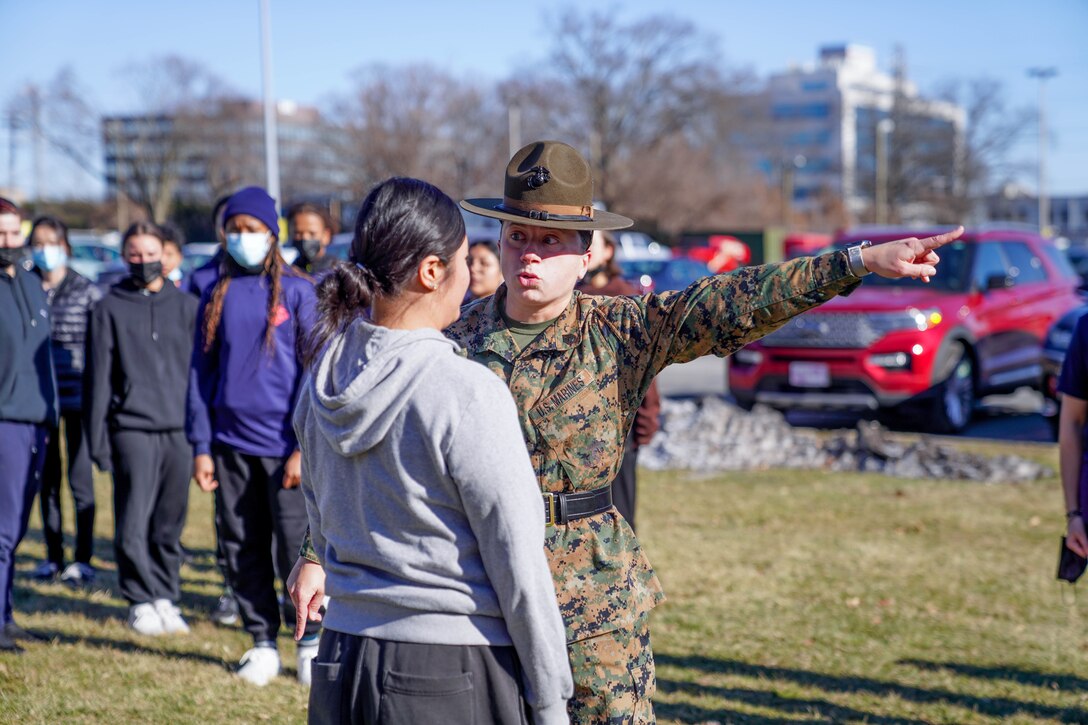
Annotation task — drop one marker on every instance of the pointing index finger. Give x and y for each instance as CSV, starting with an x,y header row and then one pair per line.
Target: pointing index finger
x,y
940,240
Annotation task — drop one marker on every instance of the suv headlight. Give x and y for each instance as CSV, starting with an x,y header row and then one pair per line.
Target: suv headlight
x,y
909,319
748,357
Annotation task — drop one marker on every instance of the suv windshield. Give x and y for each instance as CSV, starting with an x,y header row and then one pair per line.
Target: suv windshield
x,y
953,272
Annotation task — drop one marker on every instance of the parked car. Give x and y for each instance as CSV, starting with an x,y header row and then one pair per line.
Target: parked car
x,y
721,253
91,258
977,328
661,275
1054,350
638,246
1078,259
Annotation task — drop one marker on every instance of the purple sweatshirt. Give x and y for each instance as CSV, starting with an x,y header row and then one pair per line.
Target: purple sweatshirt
x,y
204,277
240,394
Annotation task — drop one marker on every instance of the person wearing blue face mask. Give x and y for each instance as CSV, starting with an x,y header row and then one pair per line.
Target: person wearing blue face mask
x,y
71,297
243,384
172,255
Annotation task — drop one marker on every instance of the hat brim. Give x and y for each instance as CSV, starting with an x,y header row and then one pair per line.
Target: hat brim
x,y
601,219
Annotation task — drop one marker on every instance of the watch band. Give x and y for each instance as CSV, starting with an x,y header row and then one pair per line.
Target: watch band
x,y
853,255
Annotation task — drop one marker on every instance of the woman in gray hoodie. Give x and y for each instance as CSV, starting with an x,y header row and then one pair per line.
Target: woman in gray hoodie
x,y
423,505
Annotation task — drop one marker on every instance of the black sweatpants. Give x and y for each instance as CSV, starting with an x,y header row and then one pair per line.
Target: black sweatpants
x,y
624,486
80,480
261,525
151,475
359,679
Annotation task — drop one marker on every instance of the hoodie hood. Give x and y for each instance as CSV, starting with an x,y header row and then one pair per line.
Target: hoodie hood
x,y
366,377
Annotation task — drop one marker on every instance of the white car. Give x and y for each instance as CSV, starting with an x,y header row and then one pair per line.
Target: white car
x,y
635,246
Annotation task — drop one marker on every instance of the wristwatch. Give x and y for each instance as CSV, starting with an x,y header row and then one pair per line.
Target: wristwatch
x,y
853,255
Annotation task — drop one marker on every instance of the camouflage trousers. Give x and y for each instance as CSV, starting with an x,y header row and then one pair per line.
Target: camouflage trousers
x,y
614,680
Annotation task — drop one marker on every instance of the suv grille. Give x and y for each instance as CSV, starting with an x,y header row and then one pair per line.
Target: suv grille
x,y
826,330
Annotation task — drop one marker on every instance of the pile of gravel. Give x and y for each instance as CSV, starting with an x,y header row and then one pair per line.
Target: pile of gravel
x,y
714,435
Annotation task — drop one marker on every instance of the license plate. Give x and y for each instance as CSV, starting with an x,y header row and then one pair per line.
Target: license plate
x,y
809,375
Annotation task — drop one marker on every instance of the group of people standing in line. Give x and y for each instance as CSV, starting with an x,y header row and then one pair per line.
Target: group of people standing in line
x,y
444,473
157,381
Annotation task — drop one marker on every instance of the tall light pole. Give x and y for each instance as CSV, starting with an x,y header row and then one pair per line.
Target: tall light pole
x,y
884,128
271,135
1043,74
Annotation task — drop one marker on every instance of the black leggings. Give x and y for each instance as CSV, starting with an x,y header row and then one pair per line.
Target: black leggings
x,y
80,480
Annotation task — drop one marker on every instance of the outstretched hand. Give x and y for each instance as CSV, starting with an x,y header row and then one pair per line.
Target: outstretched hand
x,y
907,257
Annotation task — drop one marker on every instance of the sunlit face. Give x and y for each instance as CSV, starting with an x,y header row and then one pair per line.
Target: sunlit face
x,y
306,225
452,289
171,258
600,250
242,223
143,248
540,265
11,233
485,274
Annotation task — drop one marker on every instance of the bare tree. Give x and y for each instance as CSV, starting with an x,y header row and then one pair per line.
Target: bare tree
x,y
152,149
58,114
420,121
992,130
658,115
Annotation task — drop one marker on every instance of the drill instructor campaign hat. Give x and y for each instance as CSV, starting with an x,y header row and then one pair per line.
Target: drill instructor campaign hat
x,y
548,184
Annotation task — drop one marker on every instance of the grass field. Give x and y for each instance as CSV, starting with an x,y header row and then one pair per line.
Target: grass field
x,y
793,597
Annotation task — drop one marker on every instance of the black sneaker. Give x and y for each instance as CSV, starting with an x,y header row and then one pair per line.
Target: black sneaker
x,y
14,632
9,645
45,572
226,610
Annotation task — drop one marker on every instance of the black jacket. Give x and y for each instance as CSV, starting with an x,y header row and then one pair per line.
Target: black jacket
x,y
138,350
71,303
28,387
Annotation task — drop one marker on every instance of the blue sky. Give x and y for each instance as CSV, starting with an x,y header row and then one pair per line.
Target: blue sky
x,y
317,43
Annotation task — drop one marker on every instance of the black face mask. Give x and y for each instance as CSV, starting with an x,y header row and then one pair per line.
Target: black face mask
x,y
308,249
144,273
11,255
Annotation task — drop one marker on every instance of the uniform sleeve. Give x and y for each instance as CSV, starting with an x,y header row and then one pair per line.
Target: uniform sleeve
x,y
720,314
646,418
96,386
203,380
1074,378
488,460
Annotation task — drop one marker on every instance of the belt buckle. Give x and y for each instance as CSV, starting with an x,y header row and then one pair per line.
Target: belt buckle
x,y
550,508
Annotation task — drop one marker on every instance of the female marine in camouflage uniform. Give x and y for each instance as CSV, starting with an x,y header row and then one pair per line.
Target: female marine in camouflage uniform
x,y
578,367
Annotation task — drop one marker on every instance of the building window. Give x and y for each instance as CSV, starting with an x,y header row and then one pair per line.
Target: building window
x,y
783,111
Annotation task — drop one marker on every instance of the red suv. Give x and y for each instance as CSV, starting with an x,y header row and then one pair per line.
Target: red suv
x,y
977,328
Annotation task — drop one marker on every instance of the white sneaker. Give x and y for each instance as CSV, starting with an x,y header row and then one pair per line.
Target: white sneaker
x,y
259,665
306,654
172,622
144,619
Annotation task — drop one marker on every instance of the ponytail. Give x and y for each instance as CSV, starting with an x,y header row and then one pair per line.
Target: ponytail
x,y
342,297
400,223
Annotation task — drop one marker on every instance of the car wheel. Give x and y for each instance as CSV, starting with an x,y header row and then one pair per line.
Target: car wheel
x,y
955,399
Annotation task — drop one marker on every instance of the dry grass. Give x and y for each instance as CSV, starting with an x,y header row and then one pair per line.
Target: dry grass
x,y
793,596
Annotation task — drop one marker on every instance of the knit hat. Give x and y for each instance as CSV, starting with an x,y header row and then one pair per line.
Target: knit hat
x,y
254,201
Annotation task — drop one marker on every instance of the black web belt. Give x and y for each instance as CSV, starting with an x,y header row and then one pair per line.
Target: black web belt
x,y
559,508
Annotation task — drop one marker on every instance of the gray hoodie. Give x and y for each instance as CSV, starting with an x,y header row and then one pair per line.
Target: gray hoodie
x,y
423,506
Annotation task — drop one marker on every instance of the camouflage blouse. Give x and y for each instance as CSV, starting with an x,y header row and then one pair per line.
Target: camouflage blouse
x,y
579,383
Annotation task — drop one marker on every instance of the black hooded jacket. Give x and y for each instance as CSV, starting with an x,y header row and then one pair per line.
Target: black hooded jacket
x,y
138,350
